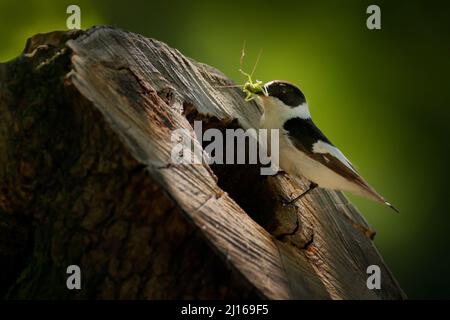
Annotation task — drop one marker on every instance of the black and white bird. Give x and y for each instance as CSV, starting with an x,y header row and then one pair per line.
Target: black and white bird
x,y
304,151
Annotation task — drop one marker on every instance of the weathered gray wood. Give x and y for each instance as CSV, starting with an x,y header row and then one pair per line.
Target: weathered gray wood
x,y
317,249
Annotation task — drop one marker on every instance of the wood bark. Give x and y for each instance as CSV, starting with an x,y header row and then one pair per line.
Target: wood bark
x,y
86,178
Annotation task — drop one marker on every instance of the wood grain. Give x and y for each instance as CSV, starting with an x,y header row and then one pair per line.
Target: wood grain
x,y
318,248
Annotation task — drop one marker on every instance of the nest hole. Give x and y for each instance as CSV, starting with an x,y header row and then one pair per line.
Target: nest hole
x,y
243,182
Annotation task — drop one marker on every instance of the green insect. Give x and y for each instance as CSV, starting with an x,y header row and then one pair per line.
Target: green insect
x,y
251,88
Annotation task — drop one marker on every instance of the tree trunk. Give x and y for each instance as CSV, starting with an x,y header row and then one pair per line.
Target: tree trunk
x,y
86,179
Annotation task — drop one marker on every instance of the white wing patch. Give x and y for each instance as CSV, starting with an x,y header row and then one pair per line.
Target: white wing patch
x,y
323,148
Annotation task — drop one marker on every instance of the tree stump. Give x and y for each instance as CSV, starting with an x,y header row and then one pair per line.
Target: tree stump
x,y
86,179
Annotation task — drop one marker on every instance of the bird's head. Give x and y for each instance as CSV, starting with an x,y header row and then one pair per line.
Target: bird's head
x,y
283,92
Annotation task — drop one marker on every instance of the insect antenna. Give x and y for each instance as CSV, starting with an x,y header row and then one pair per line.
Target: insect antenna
x,y
230,86
250,88
256,62
241,60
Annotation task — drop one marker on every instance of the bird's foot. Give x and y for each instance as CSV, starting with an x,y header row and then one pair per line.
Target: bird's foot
x,y
312,186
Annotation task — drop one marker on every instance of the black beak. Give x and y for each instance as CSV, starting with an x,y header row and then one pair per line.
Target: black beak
x,y
262,92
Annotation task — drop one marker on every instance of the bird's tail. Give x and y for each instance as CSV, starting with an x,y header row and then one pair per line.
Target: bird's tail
x,y
391,206
370,193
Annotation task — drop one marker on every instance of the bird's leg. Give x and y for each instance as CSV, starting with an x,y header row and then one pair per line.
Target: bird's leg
x,y
312,186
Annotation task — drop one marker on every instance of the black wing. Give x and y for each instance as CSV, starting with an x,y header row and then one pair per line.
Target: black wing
x,y
303,134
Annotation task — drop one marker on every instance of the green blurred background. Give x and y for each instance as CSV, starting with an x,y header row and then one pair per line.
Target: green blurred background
x,y
382,96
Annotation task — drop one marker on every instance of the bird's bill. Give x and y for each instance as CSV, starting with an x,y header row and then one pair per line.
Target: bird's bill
x,y
262,91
